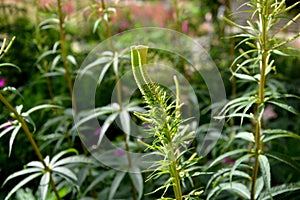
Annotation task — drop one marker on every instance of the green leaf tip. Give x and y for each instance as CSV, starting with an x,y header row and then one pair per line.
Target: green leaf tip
x,y
142,51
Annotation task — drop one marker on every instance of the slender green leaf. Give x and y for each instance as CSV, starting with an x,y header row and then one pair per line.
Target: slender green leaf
x,y
6,130
269,138
72,60
12,138
225,172
261,109
237,163
249,116
225,155
291,7
60,154
244,77
249,104
95,63
103,72
285,107
54,62
22,172
29,120
7,124
72,160
265,170
65,172
9,65
97,180
115,184
233,102
116,63
36,164
44,183
96,24
259,184
284,158
244,28
137,180
21,183
49,21
110,119
125,121
278,52
244,54
47,160
90,116
45,54
41,107
276,190
13,90
234,187
50,74
279,133
245,136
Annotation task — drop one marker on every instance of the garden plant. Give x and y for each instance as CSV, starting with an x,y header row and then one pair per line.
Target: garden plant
x,y
95,104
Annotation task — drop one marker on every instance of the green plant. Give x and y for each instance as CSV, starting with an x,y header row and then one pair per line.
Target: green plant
x,y
254,66
44,167
171,136
37,120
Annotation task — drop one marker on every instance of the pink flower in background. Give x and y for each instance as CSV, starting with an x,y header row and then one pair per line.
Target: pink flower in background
x,y
185,26
228,161
98,131
119,152
69,7
2,82
269,113
9,125
146,125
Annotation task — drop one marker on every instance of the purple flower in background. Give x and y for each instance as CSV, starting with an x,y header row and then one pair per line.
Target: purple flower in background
x,y
269,113
98,131
141,138
2,82
228,161
9,125
146,125
119,152
185,26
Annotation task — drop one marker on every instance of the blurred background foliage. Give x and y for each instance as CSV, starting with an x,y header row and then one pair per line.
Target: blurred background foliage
x,y
200,19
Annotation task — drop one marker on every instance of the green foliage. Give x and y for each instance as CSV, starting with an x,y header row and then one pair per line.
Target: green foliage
x,y
171,137
254,66
256,156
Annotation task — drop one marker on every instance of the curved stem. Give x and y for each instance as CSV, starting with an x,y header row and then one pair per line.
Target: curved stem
x,y
31,140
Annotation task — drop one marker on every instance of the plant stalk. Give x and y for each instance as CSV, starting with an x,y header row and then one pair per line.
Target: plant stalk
x,y
175,175
31,140
263,17
63,47
119,98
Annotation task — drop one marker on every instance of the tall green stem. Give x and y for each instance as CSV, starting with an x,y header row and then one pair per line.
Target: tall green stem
x,y
63,47
31,140
263,17
175,175
119,97
151,95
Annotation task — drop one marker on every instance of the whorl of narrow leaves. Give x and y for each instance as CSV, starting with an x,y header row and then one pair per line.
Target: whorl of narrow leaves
x,y
164,117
